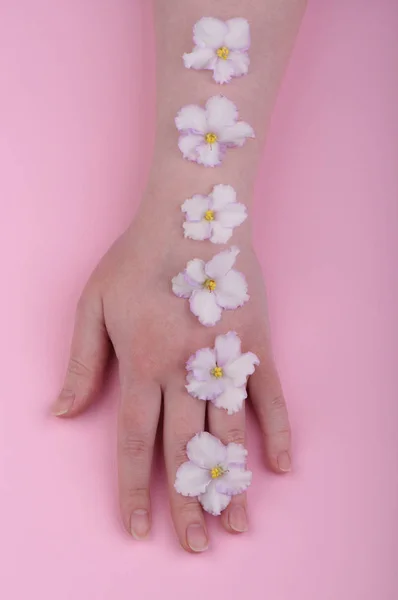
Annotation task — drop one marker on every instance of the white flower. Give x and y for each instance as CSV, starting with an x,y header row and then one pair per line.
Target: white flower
x,y
220,375
208,132
213,217
212,286
214,472
221,47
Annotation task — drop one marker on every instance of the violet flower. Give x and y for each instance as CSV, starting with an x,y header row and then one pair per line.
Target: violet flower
x,y
221,47
212,286
213,217
220,374
207,132
214,472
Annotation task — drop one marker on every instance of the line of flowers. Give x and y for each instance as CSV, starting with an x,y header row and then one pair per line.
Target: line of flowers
x,y
214,472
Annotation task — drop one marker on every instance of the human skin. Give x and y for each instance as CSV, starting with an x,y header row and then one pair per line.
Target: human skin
x,y
128,306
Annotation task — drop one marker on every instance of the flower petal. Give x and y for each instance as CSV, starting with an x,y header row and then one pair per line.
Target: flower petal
x,y
181,287
220,113
199,58
236,455
231,399
223,71
231,291
209,155
240,369
221,263
232,215
209,32
227,348
219,234
238,36
236,135
199,375
197,231
191,480
204,390
191,118
206,451
205,358
195,207
221,196
203,305
240,62
195,271
235,481
188,144
212,501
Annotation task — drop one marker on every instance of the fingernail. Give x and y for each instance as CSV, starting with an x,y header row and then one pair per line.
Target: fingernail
x,y
284,462
139,524
197,538
63,403
237,518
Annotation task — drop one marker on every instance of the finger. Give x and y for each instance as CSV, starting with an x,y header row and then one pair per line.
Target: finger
x,y
183,418
88,357
138,421
230,428
267,397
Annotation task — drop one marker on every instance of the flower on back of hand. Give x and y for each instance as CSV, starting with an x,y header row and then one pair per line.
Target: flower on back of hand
x,y
221,47
213,217
220,374
212,286
213,473
206,133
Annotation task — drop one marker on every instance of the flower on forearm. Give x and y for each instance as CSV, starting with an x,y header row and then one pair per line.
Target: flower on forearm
x,y
214,472
213,217
207,132
220,374
212,286
221,47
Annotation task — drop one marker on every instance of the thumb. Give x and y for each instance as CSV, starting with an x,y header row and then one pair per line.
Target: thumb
x,y
88,357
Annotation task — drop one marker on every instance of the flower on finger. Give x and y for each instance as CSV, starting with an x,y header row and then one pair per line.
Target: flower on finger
x,y
207,132
213,217
221,47
212,286
220,374
213,473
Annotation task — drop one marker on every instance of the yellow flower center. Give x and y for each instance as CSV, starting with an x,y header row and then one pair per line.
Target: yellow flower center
x,y
210,284
223,52
209,215
210,138
217,472
217,372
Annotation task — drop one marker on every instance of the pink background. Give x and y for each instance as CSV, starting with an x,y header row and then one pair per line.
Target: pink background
x,y
75,135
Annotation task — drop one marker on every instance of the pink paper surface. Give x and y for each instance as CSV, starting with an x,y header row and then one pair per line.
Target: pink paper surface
x,y
76,99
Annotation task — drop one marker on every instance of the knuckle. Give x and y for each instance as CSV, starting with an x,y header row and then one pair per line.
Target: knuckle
x,y
188,507
180,450
77,368
277,403
136,493
134,447
144,364
235,436
279,436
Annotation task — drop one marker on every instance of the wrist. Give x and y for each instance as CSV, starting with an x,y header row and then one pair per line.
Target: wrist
x,y
172,180
160,220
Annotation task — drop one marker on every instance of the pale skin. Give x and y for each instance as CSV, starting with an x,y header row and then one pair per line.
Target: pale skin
x,y
128,306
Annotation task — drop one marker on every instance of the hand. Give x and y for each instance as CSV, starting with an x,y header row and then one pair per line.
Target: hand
x,y
128,301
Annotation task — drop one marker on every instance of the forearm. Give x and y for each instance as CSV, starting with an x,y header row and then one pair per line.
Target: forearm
x,y
274,25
